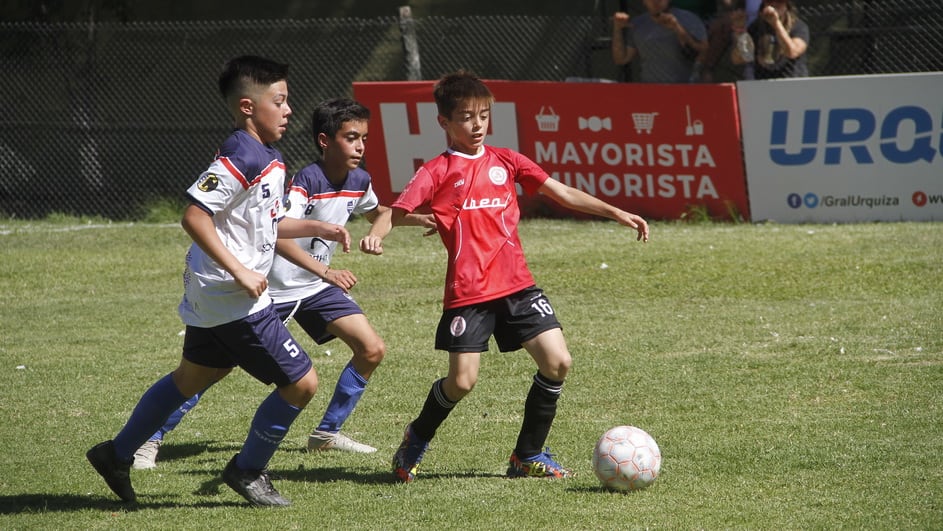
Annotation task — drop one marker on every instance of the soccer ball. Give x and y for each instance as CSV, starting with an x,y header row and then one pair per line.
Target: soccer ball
x,y
626,458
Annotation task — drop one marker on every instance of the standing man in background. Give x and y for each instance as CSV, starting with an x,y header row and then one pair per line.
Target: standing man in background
x,y
664,40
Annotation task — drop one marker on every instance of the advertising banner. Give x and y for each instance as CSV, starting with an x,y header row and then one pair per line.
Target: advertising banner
x,y
844,149
655,150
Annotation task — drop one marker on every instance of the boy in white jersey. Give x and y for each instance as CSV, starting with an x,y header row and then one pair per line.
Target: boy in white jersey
x,y
489,289
234,218
330,190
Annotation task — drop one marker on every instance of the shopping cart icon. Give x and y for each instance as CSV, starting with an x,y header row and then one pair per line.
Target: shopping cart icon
x,y
644,121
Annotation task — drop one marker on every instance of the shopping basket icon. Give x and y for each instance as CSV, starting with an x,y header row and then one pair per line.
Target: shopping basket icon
x,y
644,121
548,121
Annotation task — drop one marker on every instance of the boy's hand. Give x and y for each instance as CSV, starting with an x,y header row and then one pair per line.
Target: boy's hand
x,y
341,278
253,282
427,221
371,245
637,223
339,234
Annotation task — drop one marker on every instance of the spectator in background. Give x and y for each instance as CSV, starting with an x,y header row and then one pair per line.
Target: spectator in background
x,y
780,38
752,11
665,40
717,62
718,65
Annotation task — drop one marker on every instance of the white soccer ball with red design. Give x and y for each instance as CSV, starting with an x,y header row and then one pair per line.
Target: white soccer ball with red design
x,y
626,458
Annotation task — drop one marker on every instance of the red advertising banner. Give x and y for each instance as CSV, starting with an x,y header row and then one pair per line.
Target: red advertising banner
x,y
655,150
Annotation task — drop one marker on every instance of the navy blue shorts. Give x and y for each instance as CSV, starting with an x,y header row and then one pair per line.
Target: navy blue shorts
x,y
512,320
314,313
259,343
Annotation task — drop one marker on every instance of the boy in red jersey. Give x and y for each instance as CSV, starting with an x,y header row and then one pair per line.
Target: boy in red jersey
x,y
489,290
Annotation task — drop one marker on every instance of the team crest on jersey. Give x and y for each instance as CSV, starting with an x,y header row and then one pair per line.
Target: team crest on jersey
x,y
350,207
458,326
498,175
208,183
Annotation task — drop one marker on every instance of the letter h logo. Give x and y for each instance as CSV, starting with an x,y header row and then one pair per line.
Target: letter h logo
x,y
404,148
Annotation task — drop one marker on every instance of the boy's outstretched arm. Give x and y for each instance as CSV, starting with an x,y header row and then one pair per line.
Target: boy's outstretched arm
x,y
381,225
198,224
289,249
578,200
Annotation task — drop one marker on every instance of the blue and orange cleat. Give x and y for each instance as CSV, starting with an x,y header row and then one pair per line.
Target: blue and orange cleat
x,y
408,456
541,465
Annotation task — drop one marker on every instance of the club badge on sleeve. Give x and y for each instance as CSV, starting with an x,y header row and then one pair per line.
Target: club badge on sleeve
x,y
208,183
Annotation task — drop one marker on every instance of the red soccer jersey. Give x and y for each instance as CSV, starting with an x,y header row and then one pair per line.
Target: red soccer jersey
x,y
474,200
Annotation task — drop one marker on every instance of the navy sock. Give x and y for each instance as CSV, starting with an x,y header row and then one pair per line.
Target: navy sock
x,y
269,427
177,415
350,387
152,411
175,418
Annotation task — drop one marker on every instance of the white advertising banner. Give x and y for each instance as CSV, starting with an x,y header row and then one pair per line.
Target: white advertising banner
x,y
844,149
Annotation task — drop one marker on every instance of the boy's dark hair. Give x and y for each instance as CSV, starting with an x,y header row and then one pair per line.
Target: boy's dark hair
x,y
329,115
241,72
452,89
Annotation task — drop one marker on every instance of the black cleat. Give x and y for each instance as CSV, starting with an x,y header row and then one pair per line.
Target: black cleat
x,y
115,473
253,485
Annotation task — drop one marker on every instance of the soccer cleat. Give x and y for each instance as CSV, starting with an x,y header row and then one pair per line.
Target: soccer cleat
x,y
408,456
325,440
541,465
253,485
145,458
115,473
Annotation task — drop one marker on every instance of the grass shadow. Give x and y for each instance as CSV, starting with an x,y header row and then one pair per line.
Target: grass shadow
x,y
46,503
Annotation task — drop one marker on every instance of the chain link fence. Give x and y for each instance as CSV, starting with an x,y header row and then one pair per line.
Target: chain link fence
x,y
875,37
109,119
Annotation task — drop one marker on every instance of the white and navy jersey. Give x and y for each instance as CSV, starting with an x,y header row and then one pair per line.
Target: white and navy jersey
x,y
242,189
312,196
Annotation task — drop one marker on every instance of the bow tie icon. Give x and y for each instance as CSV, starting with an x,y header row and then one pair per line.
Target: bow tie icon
x,y
595,123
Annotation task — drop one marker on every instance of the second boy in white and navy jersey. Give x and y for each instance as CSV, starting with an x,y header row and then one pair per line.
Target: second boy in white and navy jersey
x,y
489,290
330,190
327,191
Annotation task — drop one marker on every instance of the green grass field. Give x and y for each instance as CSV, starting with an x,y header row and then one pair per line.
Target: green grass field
x,y
792,375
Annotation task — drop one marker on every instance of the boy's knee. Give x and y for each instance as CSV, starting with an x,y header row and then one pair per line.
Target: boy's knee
x,y
301,392
456,388
366,360
373,354
566,364
560,368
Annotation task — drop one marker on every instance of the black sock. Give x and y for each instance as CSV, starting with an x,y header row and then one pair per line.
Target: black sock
x,y
434,411
539,411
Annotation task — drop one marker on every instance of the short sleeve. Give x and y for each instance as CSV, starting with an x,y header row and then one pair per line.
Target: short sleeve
x,y
216,187
529,175
417,192
368,201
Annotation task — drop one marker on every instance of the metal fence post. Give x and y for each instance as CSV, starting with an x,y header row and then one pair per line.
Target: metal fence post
x,y
407,27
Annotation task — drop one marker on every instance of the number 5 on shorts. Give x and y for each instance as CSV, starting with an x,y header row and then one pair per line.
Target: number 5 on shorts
x,y
291,348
